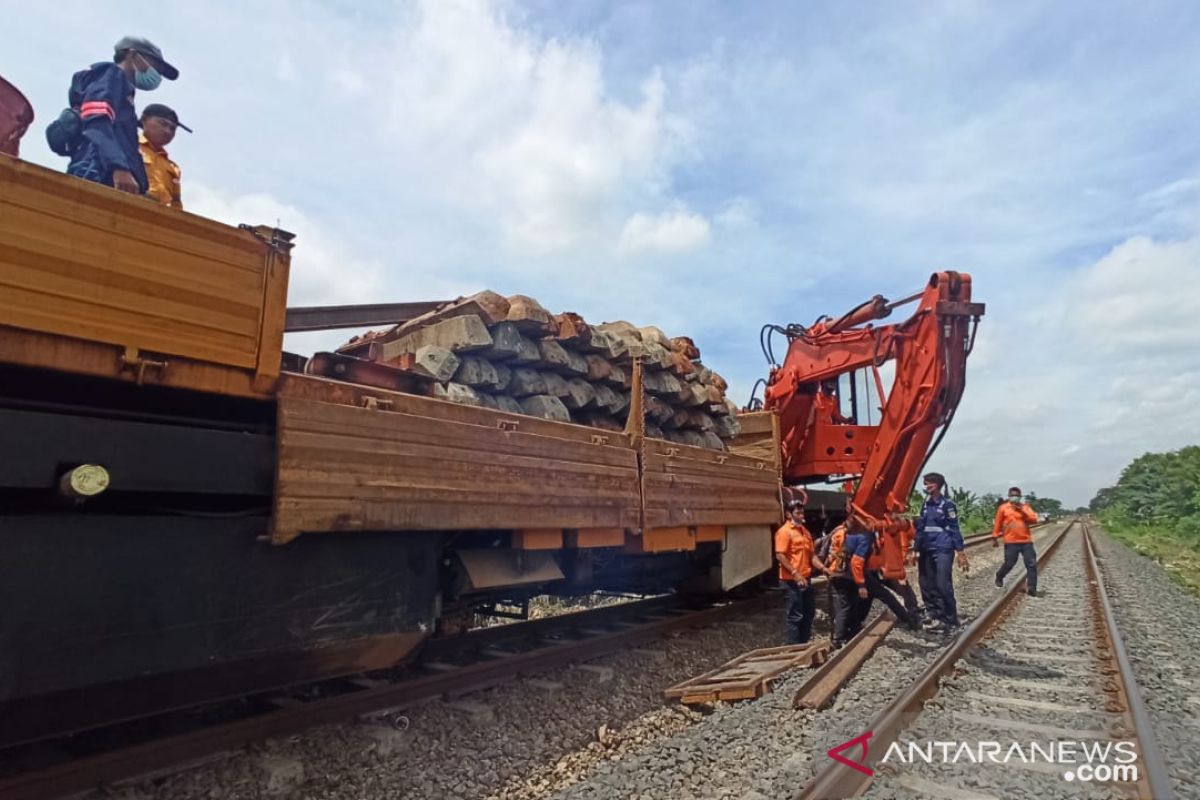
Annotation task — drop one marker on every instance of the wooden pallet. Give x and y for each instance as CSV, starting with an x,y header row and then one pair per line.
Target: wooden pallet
x,y
748,676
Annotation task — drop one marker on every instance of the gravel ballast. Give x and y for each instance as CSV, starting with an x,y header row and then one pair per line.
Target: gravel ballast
x,y
1160,624
521,739
764,749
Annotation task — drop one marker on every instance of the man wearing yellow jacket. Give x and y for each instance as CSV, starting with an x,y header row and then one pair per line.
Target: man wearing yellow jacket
x,y
1013,519
159,123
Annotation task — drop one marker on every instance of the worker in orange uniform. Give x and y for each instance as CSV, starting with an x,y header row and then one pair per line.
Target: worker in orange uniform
x,y
1013,519
895,540
159,123
826,407
797,564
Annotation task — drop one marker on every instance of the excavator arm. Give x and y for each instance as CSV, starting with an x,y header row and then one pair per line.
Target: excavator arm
x,y
929,351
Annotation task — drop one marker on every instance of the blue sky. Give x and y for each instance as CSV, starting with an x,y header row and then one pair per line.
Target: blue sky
x,y
708,167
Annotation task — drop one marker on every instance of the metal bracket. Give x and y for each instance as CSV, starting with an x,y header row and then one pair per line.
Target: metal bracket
x,y
672,452
132,361
508,424
373,403
598,439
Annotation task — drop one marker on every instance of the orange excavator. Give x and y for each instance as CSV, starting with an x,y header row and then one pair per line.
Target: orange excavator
x,y
839,424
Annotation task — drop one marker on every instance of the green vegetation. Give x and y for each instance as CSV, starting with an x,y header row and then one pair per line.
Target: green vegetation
x,y
1155,509
977,512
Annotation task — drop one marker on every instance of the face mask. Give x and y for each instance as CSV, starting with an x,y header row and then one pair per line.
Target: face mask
x,y
147,79
1015,499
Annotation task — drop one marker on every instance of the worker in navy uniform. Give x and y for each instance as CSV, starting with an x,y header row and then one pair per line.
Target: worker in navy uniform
x,y
866,563
939,544
102,95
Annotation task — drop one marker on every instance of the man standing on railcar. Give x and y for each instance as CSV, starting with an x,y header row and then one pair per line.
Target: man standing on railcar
x,y
1012,522
797,563
939,544
100,129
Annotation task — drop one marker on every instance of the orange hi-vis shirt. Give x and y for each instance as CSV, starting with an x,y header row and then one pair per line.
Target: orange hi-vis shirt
x,y
1013,521
796,544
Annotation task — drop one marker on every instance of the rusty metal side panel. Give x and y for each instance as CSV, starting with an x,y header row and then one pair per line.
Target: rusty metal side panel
x,y
83,261
414,463
694,486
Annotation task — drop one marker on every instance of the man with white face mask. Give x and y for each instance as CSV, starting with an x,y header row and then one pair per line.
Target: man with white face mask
x,y
1013,519
105,149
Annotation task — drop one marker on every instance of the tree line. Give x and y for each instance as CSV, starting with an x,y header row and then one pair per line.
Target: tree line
x,y
1159,491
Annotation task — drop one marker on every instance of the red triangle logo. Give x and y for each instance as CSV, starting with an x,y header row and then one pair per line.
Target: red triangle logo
x,y
861,741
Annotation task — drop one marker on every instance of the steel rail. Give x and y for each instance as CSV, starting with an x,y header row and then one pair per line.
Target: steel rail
x,y
835,780
155,756
1154,778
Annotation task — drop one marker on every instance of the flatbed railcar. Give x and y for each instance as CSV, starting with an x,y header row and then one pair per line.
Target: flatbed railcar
x,y
185,514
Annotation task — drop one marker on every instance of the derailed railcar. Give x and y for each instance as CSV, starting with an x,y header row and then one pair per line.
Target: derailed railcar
x,y
183,516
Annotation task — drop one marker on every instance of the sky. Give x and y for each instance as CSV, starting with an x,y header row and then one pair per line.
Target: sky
x,y
708,167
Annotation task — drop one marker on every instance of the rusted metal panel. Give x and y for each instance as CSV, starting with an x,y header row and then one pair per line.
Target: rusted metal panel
x,y
694,486
415,463
488,569
747,553
83,263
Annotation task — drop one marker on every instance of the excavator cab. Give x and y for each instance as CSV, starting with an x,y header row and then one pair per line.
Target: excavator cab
x,y
881,450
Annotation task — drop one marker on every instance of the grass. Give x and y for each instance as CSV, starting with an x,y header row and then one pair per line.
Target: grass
x,y
1178,555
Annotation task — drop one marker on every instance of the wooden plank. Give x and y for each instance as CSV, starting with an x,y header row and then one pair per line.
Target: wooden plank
x,y
161,259
82,203
333,392
758,436
82,320
748,676
451,467
83,262
43,350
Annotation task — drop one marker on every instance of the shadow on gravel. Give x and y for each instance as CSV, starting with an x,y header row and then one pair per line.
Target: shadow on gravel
x,y
997,663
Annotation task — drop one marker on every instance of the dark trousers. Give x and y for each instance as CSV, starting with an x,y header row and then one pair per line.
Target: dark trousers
x,y
848,610
937,585
879,591
1026,552
801,610
905,592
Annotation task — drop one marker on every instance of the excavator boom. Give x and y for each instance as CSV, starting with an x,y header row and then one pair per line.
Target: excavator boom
x,y
929,351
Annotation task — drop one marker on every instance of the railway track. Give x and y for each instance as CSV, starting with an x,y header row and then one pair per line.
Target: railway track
x,y
1050,671
468,662
450,666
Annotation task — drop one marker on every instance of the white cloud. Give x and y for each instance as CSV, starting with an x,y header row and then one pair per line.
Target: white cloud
x,y
324,270
674,231
520,127
1142,298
